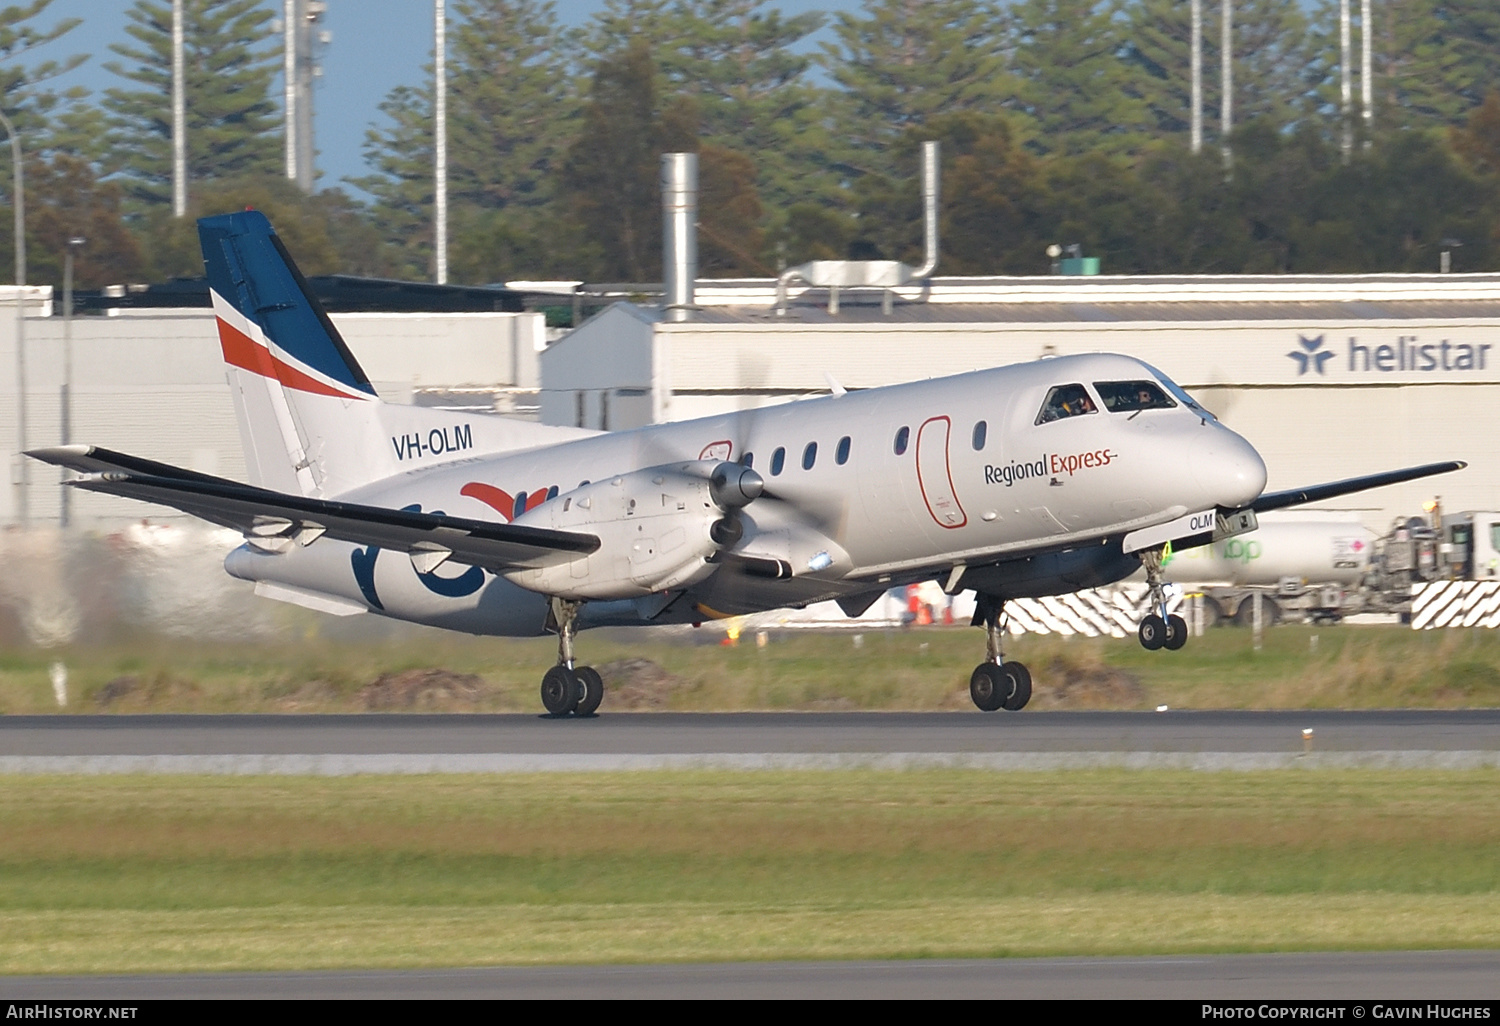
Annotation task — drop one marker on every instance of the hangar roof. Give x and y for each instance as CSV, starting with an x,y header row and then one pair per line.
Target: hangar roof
x,y
868,310
1111,298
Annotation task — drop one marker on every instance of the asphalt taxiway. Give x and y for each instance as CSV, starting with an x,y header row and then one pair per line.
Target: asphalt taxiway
x,y
337,745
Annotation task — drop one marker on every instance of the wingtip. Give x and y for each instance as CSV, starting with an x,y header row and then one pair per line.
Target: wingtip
x,y
52,453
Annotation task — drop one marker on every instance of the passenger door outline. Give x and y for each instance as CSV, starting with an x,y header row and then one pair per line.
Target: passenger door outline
x,y
935,475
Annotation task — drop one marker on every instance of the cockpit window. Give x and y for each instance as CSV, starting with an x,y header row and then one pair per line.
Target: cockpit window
x,y
1066,401
1132,396
1178,394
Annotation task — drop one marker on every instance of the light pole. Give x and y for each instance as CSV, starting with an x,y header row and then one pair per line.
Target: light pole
x,y
67,386
23,477
1195,65
179,115
440,128
1226,71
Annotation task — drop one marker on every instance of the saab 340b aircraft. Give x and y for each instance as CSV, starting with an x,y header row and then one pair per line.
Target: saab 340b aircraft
x,y
1023,481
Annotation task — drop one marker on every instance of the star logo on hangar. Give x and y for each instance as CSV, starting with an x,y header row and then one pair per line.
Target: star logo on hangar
x,y
1311,355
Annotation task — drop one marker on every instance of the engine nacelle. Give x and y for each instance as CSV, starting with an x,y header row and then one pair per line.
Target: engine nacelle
x,y
658,528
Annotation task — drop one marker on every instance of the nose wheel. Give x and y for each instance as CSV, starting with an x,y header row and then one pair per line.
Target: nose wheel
x,y
995,683
1156,632
1159,629
569,690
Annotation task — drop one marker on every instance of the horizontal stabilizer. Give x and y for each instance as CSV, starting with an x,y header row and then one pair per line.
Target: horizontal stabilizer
x,y
268,517
1316,493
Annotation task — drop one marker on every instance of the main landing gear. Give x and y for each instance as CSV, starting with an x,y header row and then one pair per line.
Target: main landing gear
x,y
1160,629
568,689
995,683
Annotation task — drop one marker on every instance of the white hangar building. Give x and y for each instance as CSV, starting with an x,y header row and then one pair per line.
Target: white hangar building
x,y
1329,377
151,382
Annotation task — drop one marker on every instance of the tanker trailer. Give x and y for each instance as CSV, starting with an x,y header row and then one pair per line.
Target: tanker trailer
x,y
1303,569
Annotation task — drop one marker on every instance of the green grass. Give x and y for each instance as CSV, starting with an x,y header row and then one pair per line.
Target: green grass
x,y
1299,667
167,873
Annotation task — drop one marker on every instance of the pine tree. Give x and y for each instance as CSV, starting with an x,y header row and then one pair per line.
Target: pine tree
x,y
613,172
1159,51
23,95
232,126
512,106
1279,64
1435,59
902,62
401,153
1077,88
735,59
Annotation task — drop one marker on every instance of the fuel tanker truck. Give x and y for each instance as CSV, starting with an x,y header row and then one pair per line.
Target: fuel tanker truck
x,y
1323,570
1302,569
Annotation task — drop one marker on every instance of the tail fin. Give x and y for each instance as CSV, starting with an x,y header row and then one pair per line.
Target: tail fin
x,y
309,419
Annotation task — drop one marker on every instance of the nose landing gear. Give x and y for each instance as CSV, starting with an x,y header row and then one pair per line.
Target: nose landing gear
x,y
995,683
568,689
1159,629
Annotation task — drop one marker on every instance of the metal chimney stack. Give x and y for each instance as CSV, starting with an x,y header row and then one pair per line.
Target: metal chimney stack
x,y
931,197
679,232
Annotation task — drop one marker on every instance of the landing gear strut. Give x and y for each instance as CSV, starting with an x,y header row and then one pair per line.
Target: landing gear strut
x,y
569,689
1160,629
995,683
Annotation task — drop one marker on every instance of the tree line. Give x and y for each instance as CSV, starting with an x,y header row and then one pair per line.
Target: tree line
x,y
1062,121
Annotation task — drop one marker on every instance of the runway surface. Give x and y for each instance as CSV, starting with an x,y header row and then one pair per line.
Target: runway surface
x,y
1365,977
334,745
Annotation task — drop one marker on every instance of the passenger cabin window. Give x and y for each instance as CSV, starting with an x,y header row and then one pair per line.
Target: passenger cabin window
x,y
902,437
809,455
1132,396
778,461
841,454
748,459
980,430
1066,401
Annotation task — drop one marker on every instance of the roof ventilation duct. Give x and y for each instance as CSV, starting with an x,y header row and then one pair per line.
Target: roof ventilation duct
x,y
883,274
679,232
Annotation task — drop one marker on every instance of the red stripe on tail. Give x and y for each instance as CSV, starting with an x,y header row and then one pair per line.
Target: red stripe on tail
x,y
242,351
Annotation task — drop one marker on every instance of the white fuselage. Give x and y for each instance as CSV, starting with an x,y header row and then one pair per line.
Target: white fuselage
x,y
902,480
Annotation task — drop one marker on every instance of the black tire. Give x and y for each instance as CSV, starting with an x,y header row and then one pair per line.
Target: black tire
x,y
590,690
988,687
1152,632
1177,633
1018,679
560,689
1270,612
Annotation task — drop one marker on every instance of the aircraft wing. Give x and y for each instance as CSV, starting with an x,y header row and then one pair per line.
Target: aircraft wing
x,y
266,516
1315,493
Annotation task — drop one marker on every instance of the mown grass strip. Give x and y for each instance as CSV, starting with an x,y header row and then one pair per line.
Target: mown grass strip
x,y
381,936
158,874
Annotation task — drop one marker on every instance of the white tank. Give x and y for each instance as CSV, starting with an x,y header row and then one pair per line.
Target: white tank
x,y
1315,551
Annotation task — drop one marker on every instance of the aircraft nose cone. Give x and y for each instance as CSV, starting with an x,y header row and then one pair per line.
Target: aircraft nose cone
x,y
1228,469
